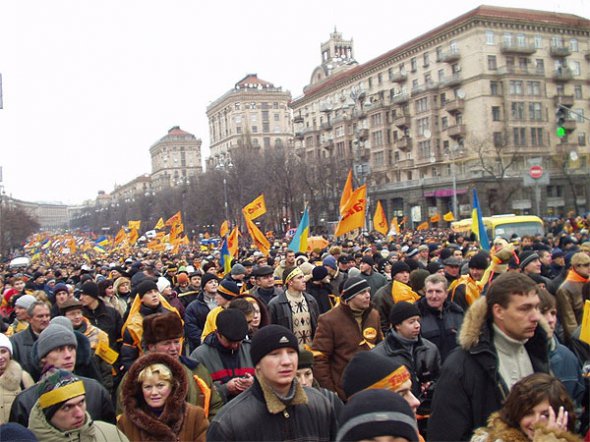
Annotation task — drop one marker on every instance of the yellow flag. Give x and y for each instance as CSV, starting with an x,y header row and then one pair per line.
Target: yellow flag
x,y
258,238
133,236
255,209
585,326
106,353
346,192
379,219
354,212
224,228
121,236
174,219
423,226
435,218
393,227
160,224
448,217
134,225
232,242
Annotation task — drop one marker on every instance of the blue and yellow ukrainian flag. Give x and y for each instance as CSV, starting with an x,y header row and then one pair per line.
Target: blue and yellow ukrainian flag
x,y
477,225
299,241
225,259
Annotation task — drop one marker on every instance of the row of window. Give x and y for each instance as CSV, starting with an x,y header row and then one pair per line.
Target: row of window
x,y
522,40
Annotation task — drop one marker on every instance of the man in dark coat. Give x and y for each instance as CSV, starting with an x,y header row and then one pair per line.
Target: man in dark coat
x,y
264,289
101,315
276,407
477,376
196,313
441,318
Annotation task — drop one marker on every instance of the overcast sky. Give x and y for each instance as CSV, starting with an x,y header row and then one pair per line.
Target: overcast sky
x,y
89,86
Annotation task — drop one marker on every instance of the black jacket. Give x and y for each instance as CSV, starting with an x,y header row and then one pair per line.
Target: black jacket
x,y
321,292
98,403
470,388
195,316
265,295
108,320
247,418
22,352
441,327
280,311
423,363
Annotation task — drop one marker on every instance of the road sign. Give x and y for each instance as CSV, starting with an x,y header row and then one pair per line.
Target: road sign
x,y
536,172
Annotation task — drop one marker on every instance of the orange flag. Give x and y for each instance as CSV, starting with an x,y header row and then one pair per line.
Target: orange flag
x,y
160,224
133,236
435,218
232,242
379,219
174,219
423,226
255,209
121,235
448,217
393,227
257,236
354,212
224,228
134,225
346,192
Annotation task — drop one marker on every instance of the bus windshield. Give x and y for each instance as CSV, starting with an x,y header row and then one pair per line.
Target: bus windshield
x,y
509,230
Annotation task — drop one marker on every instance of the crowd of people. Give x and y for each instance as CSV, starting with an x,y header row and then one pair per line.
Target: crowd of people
x,y
424,336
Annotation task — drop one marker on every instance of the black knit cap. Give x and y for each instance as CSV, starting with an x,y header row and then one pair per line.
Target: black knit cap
x,y
365,369
434,266
91,289
270,338
526,258
374,413
232,324
353,286
398,267
401,311
478,261
208,277
306,359
145,286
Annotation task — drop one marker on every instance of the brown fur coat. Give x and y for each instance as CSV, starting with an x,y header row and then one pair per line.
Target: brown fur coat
x,y
497,430
179,420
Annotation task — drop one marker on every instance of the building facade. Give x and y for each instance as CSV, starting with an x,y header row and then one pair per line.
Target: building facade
x,y
254,113
469,104
176,159
142,185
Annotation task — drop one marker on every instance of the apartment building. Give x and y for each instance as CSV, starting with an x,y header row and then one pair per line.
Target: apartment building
x,y
255,113
469,104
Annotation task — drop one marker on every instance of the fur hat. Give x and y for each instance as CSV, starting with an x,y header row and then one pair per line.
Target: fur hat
x,y
161,327
54,336
270,338
401,311
374,413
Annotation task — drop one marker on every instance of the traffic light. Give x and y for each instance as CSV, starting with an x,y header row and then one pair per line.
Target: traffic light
x,y
560,115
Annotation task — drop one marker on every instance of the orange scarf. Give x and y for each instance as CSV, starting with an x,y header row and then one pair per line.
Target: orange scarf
x,y
575,277
403,292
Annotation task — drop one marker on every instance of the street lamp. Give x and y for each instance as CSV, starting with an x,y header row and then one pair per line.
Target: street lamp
x,y
224,164
452,155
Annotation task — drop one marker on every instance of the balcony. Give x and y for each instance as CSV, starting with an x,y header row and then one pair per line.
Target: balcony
x,y
328,144
404,164
564,100
455,80
403,120
363,134
400,98
456,131
297,119
404,144
450,56
519,70
425,87
560,51
299,136
562,74
521,49
399,77
326,126
454,106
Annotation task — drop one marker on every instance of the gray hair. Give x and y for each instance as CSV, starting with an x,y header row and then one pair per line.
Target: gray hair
x,y
31,309
436,278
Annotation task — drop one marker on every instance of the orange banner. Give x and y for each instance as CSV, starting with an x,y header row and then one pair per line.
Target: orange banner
x,y
354,212
379,219
255,209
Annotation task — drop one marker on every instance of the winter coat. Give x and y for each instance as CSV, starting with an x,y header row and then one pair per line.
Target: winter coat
x,y
280,311
108,320
441,327
22,351
375,280
194,321
258,415
91,431
470,377
497,430
322,294
570,305
12,382
264,297
338,338
224,364
98,403
566,367
423,363
179,421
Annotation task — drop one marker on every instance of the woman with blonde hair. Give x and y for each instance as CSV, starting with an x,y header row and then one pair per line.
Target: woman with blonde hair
x,y
154,406
538,408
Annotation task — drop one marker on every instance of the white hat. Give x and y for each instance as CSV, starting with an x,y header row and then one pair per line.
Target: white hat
x,y
5,342
162,284
25,301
